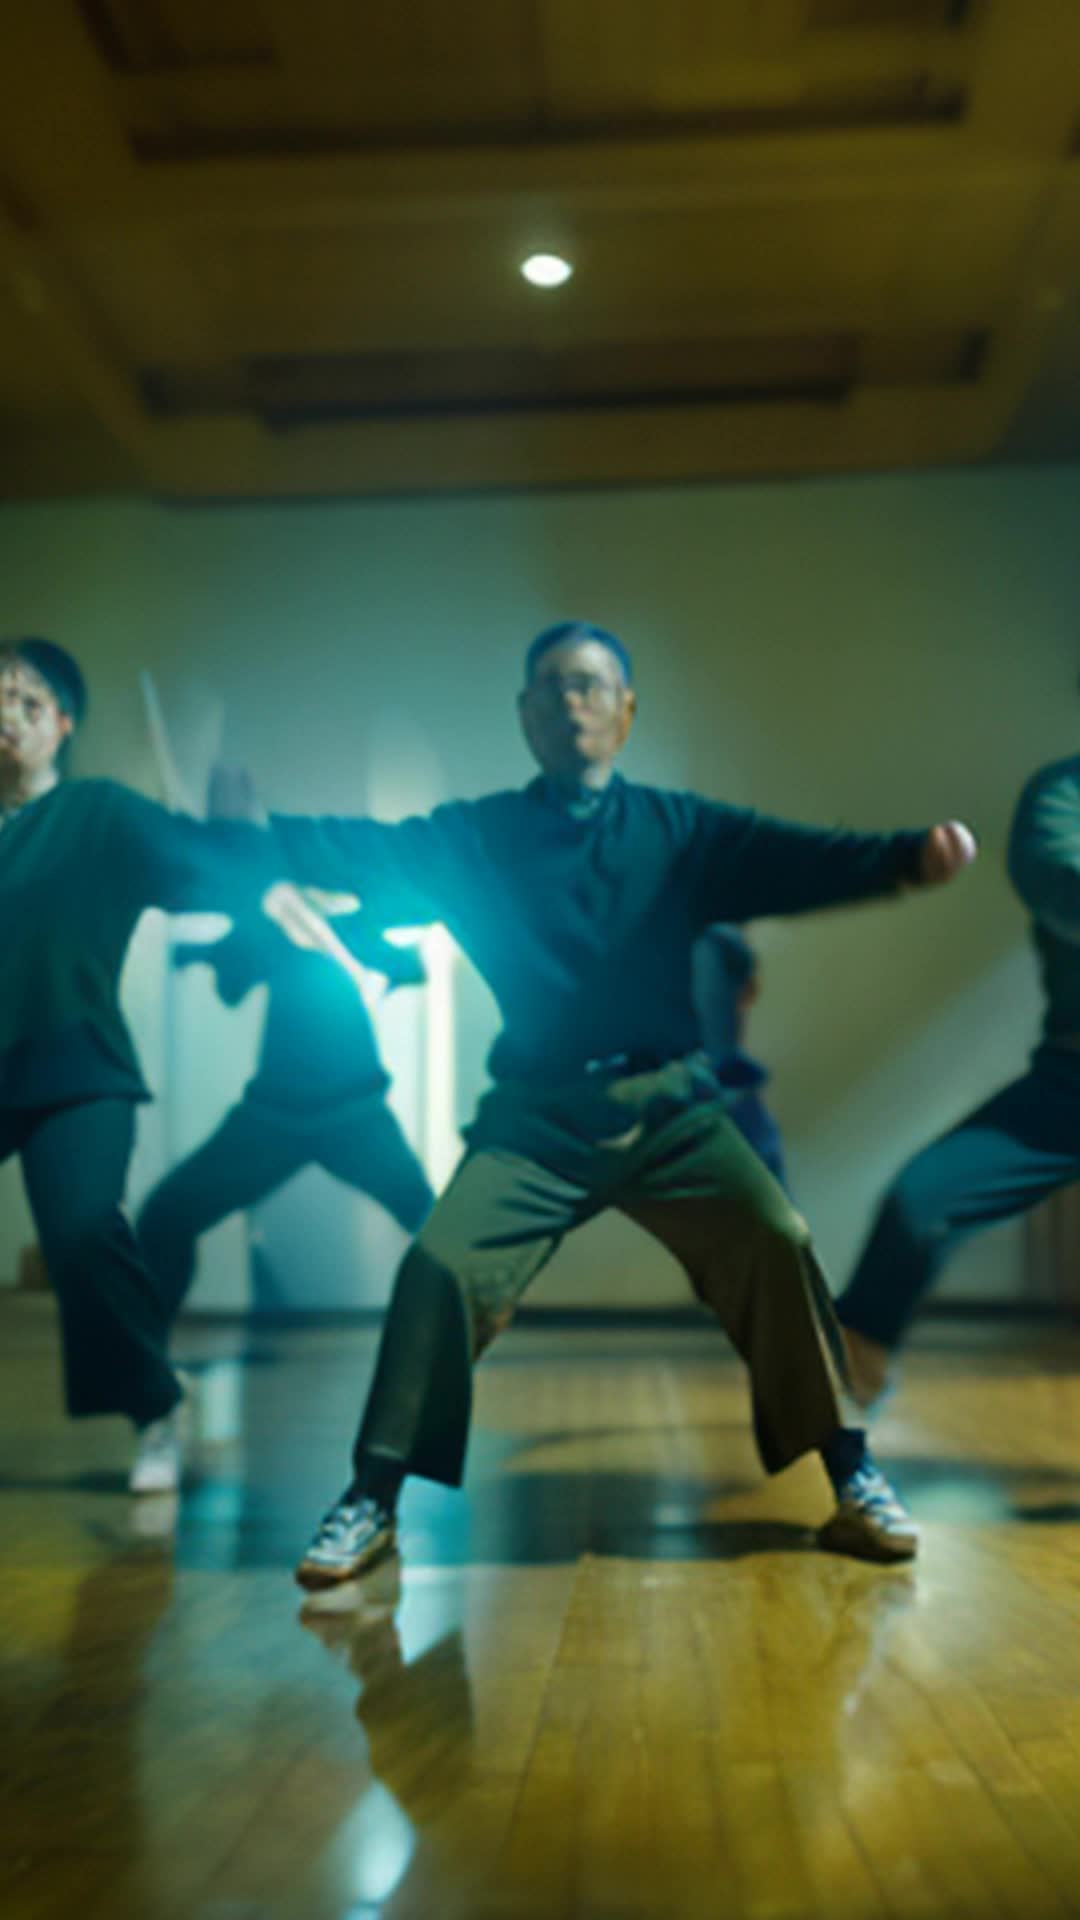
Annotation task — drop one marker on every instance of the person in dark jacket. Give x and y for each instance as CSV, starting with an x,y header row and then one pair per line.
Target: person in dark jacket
x,y
579,900
1016,1147
80,860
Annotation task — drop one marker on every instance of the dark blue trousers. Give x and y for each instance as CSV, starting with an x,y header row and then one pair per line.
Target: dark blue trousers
x,y
113,1331
1000,1161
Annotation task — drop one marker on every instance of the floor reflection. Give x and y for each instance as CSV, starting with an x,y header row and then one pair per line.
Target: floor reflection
x,y
85,1744
415,1705
608,1679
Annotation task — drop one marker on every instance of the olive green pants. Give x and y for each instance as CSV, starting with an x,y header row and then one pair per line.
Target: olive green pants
x,y
540,1161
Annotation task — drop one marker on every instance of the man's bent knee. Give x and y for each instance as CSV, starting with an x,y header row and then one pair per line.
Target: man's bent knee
x,y
911,1211
491,1299
487,1326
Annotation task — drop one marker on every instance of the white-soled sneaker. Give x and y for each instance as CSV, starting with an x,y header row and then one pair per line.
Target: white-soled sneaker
x,y
159,1454
154,1516
870,1522
349,1539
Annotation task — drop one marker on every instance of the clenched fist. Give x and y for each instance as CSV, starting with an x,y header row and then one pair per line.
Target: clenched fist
x,y
947,849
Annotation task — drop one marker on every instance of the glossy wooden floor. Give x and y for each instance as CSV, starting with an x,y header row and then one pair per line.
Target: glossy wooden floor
x,y
613,1680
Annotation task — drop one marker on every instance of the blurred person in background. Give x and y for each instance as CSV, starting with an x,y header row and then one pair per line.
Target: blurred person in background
x,y
80,860
727,983
1014,1149
317,1098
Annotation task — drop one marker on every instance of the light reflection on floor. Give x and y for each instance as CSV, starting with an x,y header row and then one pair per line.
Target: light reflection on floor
x,y
402,1641
614,1662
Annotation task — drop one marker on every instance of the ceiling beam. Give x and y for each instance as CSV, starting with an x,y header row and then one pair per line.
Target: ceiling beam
x,y
85,365
1046,281
608,175
878,428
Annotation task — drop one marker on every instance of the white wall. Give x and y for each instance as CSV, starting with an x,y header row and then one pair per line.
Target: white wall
x,y
880,651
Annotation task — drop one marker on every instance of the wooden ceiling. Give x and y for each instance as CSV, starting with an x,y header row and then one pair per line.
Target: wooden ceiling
x,y
263,248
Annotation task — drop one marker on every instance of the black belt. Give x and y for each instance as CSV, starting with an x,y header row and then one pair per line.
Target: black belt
x,y
638,1060
612,1066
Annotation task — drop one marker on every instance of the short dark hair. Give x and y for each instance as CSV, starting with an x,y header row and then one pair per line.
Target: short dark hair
x,y
566,632
61,673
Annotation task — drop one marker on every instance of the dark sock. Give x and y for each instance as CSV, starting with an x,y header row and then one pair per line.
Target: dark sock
x,y
844,1453
377,1478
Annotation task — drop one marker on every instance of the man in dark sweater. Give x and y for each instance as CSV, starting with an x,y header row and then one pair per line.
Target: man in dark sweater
x,y
317,1098
579,900
1013,1149
79,862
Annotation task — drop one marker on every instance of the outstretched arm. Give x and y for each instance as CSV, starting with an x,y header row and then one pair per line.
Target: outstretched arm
x,y
301,914
406,873
308,873
183,865
752,865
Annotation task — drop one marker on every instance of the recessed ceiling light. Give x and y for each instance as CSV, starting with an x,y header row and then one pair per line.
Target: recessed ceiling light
x,y
546,270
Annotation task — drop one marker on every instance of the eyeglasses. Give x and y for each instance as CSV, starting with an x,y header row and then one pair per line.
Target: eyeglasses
x,y
592,688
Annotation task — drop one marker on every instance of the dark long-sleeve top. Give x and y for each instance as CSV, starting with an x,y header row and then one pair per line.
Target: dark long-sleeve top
x,y
724,966
77,868
583,926
318,1046
1044,865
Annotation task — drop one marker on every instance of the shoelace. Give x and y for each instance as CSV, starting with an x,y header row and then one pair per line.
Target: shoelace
x,y
870,1489
341,1519
336,1522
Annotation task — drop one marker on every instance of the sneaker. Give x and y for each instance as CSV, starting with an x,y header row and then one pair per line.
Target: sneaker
x,y
158,1455
870,1522
154,1516
350,1538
